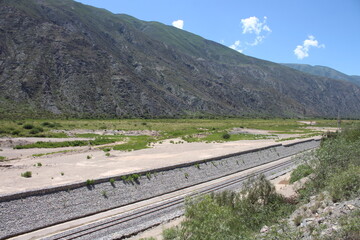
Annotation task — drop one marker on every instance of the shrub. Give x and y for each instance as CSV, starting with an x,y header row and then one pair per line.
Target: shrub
x,y
28,126
206,219
45,124
90,182
26,174
36,130
350,226
15,132
171,233
297,220
226,136
2,158
336,166
148,175
62,173
39,164
334,156
351,133
344,184
112,181
104,194
130,178
300,172
107,154
234,215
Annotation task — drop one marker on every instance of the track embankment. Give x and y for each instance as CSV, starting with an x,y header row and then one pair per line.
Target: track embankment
x,y
26,211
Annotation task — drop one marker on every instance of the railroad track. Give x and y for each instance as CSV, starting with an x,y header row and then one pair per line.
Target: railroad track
x,y
98,229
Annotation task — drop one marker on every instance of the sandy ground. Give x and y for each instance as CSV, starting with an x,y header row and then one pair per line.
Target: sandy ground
x,y
76,166
283,186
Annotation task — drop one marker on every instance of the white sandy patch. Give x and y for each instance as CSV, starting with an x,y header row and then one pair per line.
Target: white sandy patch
x,y
76,167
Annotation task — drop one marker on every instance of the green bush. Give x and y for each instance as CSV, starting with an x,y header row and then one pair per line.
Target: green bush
x,y
350,226
28,126
334,156
130,178
45,124
226,136
90,182
351,133
2,158
300,172
15,132
336,166
344,184
234,215
26,174
171,233
206,219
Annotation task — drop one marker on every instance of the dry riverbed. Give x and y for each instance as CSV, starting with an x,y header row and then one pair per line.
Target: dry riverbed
x,y
58,166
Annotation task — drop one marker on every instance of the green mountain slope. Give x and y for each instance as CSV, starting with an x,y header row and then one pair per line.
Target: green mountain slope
x,y
66,58
324,72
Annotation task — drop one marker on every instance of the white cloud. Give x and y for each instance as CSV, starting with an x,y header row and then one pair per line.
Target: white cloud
x,y
257,41
237,46
254,25
178,24
302,51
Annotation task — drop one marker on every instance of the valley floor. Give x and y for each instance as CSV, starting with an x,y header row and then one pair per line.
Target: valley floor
x,y
58,166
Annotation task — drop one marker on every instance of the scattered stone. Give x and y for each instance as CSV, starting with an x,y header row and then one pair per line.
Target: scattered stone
x,y
325,222
264,229
350,207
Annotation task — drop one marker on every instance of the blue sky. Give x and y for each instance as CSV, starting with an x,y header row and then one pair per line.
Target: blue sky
x,y
316,32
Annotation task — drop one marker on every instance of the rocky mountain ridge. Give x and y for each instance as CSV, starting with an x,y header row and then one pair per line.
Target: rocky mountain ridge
x,y
324,72
63,58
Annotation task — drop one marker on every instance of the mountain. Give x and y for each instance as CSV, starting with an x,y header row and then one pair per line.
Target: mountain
x,y
324,72
63,58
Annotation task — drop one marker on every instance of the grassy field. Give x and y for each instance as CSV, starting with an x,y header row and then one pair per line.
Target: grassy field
x,y
191,130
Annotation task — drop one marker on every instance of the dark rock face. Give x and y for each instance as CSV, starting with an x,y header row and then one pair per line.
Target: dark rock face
x,y
62,57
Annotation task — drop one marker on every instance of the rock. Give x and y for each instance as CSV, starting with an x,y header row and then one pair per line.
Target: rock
x,y
264,229
350,207
335,228
320,220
